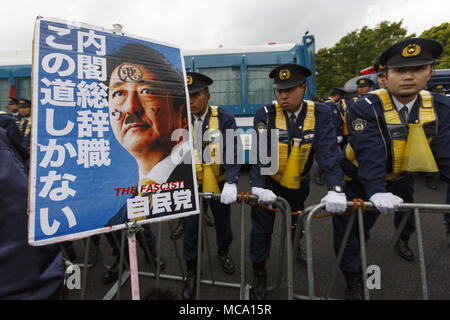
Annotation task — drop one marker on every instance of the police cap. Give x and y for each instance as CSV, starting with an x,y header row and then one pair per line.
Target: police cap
x,y
439,87
12,100
197,81
379,68
321,100
364,82
289,75
336,91
411,53
24,103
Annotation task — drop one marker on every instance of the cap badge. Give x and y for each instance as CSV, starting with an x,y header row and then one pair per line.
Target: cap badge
x,y
411,50
285,74
190,81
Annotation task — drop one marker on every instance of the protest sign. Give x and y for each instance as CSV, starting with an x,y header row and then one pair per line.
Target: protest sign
x,y
110,140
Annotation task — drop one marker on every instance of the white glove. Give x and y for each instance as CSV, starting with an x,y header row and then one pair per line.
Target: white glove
x,y
336,202
386,202
339,139
265,196
229,193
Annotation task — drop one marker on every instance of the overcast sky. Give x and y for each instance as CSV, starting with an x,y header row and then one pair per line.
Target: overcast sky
x,y
198,24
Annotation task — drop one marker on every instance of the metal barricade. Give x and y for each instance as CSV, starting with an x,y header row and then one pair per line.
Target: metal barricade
x,y
86,263
312,211
281,206
285,210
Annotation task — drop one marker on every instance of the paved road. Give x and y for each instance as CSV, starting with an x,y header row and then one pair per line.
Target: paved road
x,y
399,278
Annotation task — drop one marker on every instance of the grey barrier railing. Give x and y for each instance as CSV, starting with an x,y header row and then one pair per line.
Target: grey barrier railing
x,y
312,211
285,253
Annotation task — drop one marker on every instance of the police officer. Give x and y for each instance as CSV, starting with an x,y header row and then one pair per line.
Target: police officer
x,y
381,83
381,75
301,124
28,272
379,122
13,109
431,178
25,122
339,111
7,122
363,86
209,122
338,107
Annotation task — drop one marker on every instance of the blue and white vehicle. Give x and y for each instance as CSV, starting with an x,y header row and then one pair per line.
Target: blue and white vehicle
x,y
241,76
15,69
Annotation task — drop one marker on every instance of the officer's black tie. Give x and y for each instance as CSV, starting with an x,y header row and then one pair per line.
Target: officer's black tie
x,y
404,114
195,119
291,127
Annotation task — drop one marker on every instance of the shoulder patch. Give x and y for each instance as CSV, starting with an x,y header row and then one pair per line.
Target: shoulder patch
x,y
359,125
261,126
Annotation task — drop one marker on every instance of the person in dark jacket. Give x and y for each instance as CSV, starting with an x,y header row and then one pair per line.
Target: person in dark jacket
x,y
8,122
29,273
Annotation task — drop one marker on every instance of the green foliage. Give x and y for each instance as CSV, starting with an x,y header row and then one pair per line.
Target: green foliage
x,y
441,33
355,51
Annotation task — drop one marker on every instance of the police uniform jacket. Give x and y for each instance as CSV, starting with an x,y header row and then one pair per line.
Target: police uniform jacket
x,y
226,121
8,123
27,272
324,145
25,128
336,114
367,128
17,118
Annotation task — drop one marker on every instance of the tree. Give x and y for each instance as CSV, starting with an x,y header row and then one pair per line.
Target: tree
x,y
441,33
355,51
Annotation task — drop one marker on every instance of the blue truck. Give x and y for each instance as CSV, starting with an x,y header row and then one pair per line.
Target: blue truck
x,y
241,76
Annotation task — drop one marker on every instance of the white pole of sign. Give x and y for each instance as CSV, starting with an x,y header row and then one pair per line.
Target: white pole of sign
x,y
133,266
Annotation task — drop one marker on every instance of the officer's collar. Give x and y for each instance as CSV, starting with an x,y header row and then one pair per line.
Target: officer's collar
x,y
297,112
400,105
202,116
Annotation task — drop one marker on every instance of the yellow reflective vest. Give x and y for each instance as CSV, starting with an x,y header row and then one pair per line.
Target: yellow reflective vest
x,y
213,128
305,145
397,131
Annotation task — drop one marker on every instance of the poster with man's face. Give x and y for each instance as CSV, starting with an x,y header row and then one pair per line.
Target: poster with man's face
x,y
110,136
